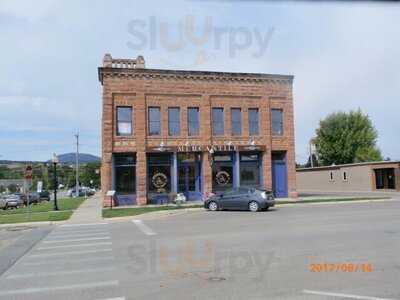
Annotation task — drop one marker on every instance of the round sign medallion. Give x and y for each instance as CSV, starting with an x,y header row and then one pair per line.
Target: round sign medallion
x,y
222,178
159,180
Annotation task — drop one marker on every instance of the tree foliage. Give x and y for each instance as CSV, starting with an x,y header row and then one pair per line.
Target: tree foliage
x,y
346,138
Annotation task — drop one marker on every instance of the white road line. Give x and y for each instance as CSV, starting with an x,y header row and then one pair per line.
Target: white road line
x,y
118,298
87,224
143,227
77,235
71,253
73,246
348,296
82,260
43,274
59,288
75,240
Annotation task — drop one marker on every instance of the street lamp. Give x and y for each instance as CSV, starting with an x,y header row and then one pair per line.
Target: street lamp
x,y
55,162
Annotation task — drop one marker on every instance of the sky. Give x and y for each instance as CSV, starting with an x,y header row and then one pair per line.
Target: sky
x,y
344,56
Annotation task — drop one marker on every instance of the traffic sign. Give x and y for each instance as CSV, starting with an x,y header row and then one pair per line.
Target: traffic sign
x,y
28,172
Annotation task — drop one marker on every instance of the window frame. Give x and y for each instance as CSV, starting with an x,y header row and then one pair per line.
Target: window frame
x,y
130,122
281,122
216,122
197,122
149,121
171,122
255,109
236,122
345,176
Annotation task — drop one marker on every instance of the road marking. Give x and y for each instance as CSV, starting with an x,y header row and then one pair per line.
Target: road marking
x,y
77,225
82,260
118,298
70,253
77,235
72,246
143,227
76,240
348,296
60,288
36,274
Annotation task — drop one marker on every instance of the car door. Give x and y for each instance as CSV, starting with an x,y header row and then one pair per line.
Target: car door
x,y
240,200
227,200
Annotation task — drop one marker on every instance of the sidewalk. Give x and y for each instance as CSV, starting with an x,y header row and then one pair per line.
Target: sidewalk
x,y
88,212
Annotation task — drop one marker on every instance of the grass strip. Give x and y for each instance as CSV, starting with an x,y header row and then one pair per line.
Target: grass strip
x,y
133,211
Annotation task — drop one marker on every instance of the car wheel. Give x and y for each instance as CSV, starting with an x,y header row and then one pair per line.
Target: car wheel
x,y
213,206
5,206
253,206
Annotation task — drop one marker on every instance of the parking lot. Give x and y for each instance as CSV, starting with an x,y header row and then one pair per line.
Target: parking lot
x,y
279,254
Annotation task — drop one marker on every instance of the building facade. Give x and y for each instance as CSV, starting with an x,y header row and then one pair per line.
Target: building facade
x,y
358,177
193,132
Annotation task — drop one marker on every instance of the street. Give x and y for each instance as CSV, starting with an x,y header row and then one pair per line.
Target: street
x,y
219,255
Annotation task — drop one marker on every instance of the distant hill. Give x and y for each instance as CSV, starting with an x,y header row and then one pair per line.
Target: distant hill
x,y
67,158
84,158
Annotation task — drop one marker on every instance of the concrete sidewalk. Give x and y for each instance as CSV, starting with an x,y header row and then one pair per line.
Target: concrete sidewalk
x,y
88,212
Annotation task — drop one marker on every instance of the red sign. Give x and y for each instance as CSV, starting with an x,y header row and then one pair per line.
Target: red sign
x,y
28,173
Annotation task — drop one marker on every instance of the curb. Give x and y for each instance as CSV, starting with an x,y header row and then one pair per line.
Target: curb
x,y
167,213
40,223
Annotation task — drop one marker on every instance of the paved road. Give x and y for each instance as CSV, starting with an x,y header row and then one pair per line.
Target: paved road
x,y
221,255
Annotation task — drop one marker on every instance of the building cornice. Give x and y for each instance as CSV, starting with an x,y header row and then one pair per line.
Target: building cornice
x,y
104,72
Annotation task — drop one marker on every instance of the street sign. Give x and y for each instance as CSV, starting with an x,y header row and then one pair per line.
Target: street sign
x,y
39,187
28,172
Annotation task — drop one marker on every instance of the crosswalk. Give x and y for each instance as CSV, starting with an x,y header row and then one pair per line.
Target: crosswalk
x,y
72,262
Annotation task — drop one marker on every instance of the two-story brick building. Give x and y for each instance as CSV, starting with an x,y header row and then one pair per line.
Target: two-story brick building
x,y
194,132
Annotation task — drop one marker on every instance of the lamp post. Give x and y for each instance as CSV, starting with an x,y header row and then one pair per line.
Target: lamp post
x,y
55,162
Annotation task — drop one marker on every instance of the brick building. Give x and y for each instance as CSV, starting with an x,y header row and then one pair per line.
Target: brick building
x,y
193,132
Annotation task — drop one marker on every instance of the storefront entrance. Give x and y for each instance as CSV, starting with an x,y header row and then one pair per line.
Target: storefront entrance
x,y
189,175
385,179
279,175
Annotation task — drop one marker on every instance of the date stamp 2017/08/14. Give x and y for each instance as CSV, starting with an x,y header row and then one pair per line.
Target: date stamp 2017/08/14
x,y
340,267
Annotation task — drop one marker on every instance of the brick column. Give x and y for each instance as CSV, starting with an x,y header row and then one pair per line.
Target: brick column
x,y
106,180
206,173
267,170
141,137
141,178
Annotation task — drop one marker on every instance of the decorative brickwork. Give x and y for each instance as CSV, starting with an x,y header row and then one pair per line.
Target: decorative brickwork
x,y
128,83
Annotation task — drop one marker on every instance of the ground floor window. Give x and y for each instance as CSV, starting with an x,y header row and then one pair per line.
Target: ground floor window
x,y
159,172
385,178
125,173
249,169
222,171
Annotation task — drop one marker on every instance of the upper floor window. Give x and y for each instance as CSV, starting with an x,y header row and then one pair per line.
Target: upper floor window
x,y
277,121
236,121
218,121
193,120
253,121
124,120
174,121
154,121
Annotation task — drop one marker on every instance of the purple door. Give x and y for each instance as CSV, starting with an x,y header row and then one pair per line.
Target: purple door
x,y
279,175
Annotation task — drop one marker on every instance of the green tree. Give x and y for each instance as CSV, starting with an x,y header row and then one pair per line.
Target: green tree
x,y
346,138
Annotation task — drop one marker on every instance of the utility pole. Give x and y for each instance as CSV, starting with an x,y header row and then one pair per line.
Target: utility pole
x,y
311,154
77,165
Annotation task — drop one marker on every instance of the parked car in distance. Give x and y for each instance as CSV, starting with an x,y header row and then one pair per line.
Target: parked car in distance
x,y
44,196
241,199
11,201
34,198
83,191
